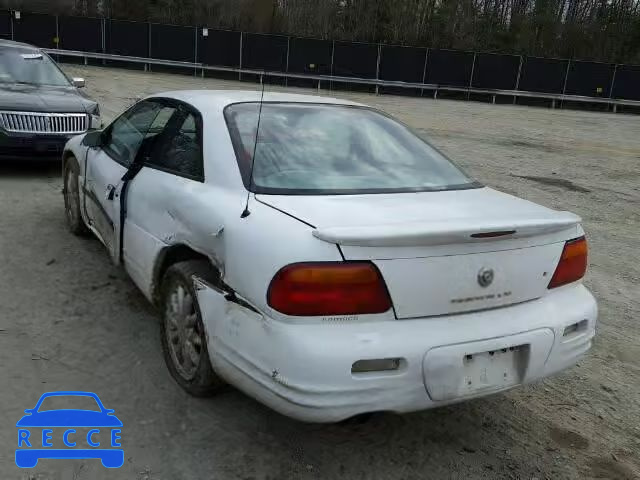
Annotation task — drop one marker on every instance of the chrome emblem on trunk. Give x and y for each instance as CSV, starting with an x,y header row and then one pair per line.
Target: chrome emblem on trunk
x,y
485,277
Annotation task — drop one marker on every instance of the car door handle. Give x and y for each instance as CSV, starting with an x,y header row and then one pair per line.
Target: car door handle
x,y
111,191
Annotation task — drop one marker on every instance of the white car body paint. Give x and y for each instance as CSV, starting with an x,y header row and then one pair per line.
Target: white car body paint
x,y
303,370
420,242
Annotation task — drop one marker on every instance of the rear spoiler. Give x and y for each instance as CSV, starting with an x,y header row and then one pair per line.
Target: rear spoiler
x,y
445,232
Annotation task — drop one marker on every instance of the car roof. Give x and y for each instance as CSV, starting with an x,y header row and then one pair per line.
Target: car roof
x,y
19,45
219,99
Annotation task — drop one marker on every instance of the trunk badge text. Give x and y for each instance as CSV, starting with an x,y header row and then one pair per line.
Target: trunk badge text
x,y
485,277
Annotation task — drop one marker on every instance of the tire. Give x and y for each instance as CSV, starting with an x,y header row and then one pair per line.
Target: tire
x,y
71,193
184,344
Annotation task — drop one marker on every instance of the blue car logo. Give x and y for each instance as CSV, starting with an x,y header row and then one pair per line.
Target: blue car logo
x,y
67,426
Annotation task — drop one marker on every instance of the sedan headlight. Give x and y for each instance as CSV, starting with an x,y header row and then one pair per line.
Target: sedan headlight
x,y
95,122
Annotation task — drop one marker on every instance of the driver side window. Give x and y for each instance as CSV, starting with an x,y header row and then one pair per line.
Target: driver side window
x,y
126,134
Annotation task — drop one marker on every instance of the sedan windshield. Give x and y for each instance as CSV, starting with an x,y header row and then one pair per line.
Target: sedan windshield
x,y
29,66
334,149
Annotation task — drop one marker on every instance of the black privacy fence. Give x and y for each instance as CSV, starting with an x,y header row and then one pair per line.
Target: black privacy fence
x,y
307,56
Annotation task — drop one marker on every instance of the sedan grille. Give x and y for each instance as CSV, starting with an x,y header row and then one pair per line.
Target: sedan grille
x,y
35,122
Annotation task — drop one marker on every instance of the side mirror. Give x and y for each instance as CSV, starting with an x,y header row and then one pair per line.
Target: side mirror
x,y
93,139
78,82
29,410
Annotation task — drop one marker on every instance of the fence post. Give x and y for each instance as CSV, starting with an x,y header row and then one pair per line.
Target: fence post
x,y
57,39
333,51
200,32
104,38
378,68
286,79
517,87
424,71
195,55
473,67
11,23
613,82
147,66
564,87
241,39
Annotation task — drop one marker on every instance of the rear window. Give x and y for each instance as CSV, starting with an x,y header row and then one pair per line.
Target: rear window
x,y
334,149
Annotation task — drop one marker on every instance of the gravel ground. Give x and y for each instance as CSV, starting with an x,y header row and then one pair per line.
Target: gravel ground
x,y
74,321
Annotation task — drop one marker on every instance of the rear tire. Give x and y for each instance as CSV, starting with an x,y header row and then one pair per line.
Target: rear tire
x,y
71,193
184,343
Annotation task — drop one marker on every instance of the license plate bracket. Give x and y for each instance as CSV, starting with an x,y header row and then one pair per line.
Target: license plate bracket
x,y
492,370
447,369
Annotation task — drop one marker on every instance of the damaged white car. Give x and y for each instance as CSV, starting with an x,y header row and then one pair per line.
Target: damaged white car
x,y
324,259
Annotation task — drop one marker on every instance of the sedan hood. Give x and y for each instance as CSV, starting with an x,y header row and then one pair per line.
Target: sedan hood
x,y
425,218
38,98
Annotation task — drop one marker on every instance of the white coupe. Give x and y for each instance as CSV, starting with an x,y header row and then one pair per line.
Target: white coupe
x,y
320,256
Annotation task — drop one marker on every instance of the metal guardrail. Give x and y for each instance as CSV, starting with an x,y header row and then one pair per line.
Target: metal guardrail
x,y
435,88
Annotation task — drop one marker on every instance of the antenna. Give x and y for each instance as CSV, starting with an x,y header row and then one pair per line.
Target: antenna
x,y
246,211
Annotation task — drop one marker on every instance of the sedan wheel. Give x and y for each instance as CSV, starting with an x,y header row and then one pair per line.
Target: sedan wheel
x,y
185,341
71,193
183,336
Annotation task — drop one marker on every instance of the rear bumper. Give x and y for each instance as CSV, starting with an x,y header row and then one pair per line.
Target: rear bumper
x,y
304,371
23,146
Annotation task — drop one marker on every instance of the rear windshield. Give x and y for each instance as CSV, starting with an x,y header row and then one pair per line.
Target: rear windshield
x,y
334,149
28,66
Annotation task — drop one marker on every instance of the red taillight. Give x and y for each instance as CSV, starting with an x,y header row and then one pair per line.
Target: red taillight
x,y
573,263
328,288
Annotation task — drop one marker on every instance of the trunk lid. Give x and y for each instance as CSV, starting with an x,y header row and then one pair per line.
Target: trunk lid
x,y
443,252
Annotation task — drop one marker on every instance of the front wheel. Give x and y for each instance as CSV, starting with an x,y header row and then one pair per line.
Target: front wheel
x,y
71,193
184,343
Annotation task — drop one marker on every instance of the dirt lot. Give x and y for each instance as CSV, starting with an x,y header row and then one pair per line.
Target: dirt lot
x,y
73,321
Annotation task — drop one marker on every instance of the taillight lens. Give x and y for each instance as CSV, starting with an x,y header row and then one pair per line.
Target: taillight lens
x,y
573,263
329,288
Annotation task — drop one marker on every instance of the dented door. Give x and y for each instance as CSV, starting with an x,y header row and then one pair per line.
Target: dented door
x,y
102,194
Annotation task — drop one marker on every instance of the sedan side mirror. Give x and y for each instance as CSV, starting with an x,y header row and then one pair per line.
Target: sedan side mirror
x,y
93,139
78,82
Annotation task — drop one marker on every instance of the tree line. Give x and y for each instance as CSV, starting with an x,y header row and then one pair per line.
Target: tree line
x,y
605,30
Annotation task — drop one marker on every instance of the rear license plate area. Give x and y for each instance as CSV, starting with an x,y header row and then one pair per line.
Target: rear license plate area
x,y
493,370
460,371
